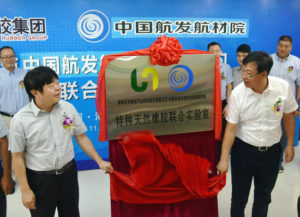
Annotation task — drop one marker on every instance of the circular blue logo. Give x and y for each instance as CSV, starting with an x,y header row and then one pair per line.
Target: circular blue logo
x,y
180,78
93,26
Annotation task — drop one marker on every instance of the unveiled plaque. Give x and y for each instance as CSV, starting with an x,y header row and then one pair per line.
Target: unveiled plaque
x,y
164,99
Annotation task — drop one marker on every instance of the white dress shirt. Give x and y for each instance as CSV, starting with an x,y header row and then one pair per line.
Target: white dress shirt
x,y
258,124
47,145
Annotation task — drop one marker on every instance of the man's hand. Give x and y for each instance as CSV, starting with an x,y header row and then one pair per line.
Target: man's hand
x,y
106,166
222,167
28,199
289,153
7,184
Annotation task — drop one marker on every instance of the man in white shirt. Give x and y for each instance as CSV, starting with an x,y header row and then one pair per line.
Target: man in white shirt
x,y
42,149
5,171
287,67
253,130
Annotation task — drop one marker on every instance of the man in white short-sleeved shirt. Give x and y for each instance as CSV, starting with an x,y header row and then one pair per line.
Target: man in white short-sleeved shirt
x,y
42,149
253,131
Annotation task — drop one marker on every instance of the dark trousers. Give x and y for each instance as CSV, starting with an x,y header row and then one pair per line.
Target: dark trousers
x,y
298,206
2,196
224,103
55,191
283,141
248,163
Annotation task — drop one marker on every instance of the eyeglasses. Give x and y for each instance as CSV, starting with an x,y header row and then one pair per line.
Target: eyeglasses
x,y
9,57
248,75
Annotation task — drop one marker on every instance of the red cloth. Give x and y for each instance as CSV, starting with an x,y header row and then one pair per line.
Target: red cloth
x,y
199,144
161,173
101,91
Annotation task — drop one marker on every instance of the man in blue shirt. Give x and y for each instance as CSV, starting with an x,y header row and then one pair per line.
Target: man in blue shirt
x,y
226,84
5,171
13,96
287,67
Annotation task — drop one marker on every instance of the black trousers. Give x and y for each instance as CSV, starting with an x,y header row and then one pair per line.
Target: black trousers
x,y
298,206
248,163
55,191
2,196
283,141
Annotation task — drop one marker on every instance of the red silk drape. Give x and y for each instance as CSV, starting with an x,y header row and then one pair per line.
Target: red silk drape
x,y
162,173
200,144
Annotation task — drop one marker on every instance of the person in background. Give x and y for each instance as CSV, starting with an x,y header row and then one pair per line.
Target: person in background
x,y
287,67
5,171
226,85
255,110
42,149
242,51
13,96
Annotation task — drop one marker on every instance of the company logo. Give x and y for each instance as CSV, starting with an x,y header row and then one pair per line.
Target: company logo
x,y
93,26
180,78
144,85
23,29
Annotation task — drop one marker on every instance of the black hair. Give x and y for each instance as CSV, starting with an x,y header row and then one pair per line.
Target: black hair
x,y
37,78
244,48
212,44
286,38
7,47
263,61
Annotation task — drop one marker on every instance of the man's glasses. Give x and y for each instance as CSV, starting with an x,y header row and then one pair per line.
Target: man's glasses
x,y
247,74
9,57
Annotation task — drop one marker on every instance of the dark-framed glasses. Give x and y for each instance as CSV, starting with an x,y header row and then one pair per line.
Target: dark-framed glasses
x,y
9,57
247,74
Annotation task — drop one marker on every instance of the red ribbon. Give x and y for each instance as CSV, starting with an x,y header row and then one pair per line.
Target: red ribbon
x,y
165,51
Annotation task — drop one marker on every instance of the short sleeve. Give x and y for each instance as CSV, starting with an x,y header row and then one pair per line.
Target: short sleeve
x,y
233,113
291,103
17,139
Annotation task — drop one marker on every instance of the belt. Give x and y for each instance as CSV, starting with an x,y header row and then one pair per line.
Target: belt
x,y
55,172
6,114
259,148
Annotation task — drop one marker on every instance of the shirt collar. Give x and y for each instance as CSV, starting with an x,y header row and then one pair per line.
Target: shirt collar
x,y
36,109
279,59
270,86
6,71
